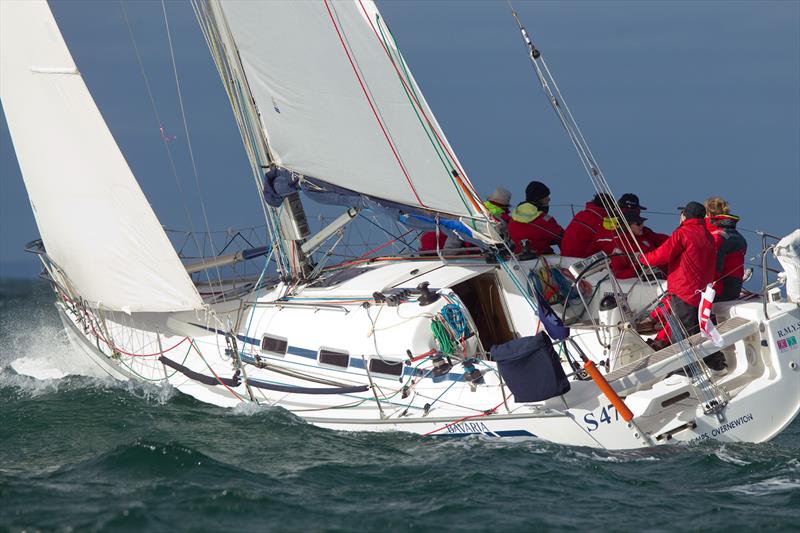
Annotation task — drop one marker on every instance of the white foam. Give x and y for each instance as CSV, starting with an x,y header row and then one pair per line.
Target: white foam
x,y
768,486
726,456
37,346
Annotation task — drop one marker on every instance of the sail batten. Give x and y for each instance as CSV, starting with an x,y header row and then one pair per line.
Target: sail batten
x,y
338,103
93,217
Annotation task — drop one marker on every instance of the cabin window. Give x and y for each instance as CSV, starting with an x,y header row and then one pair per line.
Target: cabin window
x,y
333,358
377,366
272,344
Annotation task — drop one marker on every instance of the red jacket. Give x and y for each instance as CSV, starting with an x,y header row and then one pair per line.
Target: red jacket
x,y
623,267
731,249
542,233
580,234
657,239
689,255
427,241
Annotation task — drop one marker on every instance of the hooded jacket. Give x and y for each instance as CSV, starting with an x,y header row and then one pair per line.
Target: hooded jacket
x,y
542,231
731,248
689,255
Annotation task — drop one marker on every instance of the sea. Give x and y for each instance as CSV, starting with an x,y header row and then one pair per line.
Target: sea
x,y
92,454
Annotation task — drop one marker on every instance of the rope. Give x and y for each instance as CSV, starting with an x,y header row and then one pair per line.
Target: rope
x,y
164,139
188,138
372,107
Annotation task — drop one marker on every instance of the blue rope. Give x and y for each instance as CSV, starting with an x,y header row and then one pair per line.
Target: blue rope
x,y
454,316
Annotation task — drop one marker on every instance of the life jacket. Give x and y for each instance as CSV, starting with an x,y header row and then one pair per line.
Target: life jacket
x,y
731,248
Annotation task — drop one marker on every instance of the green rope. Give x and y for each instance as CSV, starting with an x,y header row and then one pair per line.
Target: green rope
x,y
437,145
442,336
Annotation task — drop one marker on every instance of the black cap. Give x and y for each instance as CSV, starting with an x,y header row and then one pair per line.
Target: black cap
x,y
633,217
630,201
693,210
535,191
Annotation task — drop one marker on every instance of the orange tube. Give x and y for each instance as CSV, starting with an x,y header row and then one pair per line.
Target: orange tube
x,y
612,396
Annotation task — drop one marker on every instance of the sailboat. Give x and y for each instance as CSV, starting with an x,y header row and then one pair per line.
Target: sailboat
x,y
453,343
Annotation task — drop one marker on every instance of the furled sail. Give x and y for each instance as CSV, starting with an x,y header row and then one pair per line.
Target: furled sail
x,y
340,106
96,223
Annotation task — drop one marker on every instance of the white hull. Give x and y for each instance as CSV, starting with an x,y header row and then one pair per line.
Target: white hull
x,y
762,383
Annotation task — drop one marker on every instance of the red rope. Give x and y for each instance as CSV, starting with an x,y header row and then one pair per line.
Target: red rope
x,y
414,98
111,344
382,246
215,374
470,417
369,101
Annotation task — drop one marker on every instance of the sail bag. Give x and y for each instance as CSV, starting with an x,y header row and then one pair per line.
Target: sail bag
x,y
531,368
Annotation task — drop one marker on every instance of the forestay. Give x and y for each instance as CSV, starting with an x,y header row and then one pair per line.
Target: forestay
x,y
94,219
340,105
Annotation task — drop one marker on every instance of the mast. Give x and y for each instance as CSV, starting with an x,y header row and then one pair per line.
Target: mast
x,y
287,224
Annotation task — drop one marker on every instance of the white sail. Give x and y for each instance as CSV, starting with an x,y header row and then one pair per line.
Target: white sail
x,y
339,104
96,223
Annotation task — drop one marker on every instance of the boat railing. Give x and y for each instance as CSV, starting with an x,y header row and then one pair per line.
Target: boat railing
x,y
768,242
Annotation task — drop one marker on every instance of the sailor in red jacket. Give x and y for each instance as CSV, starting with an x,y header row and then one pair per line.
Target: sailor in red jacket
x,y
626,266
731,249
581,233
629,203
531,221
689,257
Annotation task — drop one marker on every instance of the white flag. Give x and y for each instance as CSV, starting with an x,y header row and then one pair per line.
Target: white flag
x,y
707,326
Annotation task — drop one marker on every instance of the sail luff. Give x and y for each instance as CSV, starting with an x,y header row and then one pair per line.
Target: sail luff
x,y
93,217
254,136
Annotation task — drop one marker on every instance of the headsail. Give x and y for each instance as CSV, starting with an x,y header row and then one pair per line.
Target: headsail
x,y
340,106
94,219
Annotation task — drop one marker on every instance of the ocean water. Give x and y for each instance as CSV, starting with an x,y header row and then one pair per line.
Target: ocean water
x,y
82,453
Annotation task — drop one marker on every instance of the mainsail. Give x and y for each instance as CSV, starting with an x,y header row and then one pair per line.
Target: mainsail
x,y
96,223
340,107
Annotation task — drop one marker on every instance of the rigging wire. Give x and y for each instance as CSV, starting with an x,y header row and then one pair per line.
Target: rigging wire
x,y
165,140
605,193
189,140
230,71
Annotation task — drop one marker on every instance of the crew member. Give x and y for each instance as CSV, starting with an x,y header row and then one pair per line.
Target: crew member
x,y
580,236
629,202
626,266
498,204
689,256
531,221
731,248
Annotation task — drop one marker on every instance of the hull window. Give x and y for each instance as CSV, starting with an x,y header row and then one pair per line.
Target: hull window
x,y
334,358
275,345
377,366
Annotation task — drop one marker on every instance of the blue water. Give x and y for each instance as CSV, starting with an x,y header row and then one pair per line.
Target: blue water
x,y
94,454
